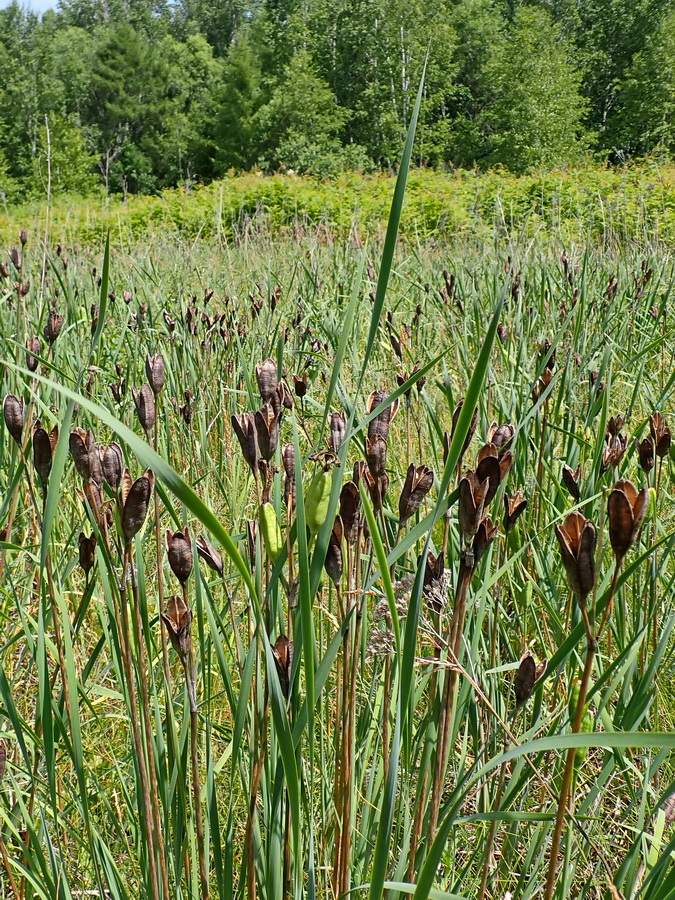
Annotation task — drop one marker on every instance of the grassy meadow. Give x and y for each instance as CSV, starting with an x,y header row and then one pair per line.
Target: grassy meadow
x,y
276,620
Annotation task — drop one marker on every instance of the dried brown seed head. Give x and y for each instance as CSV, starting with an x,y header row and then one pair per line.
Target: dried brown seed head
x,y
44,446
53,327
472,427
87,551
338,429
300,385
527,676
86,455
177,618
350,511
576,537
376,454
112,463
571,477
266,422
266,376
155,372
179,551
645,452
626,510
487,532
487,466
614,425
613,452
333,563
13,409
245,429
660,435
23,237
33,350
417,485
210,555
382,422
16,258
546,355
135,499
501,436
145,407
283,661
514,508
472,494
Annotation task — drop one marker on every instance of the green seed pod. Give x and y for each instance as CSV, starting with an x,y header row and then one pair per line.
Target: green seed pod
x,y
270,530
317,499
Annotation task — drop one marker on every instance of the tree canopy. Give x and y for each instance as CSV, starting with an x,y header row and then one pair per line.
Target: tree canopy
x,y
138,95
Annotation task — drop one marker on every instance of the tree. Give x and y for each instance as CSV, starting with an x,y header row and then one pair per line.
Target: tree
x,y
537,115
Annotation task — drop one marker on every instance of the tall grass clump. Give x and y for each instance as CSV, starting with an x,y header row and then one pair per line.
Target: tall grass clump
x,y
325,577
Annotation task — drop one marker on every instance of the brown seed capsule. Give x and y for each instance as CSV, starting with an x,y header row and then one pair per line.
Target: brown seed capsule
x,y
23,237
382,422
44,446
626,510
86,455
300,385
267,430
177,618
576,537
283,661
514,508
266,376
53,327
338,428
417,485
32,352
571,478
245,429
135,500
145,407
502,332
527,676
613,452
16,259
376,455
12,409
493,467
472,493
487,532
472,427
4,271
87,552
333,563
155,372
112,463
179,551
614,425
501,436
545,353
660,435
645,452
350,511
210,555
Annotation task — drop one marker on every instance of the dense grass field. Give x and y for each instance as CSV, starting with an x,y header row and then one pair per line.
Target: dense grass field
x,y
477,701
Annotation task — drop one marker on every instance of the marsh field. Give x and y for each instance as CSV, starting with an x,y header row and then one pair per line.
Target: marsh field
x,y
337,560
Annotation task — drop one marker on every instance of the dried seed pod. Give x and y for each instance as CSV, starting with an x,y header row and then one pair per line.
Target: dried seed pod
x,y
501,436
527,676
16,259
288,461
613,452
86,455
626,510
614,425
283,661
267,429
472,427
23,237
576,537
547,354
281,399
472,493
338,428
87,552
179,551
502,332
245,429
300,385
333,563
571,479
350,511
177,618
382,422
417,485
645,452
33,350
53,327
112,463
135,500
266,376
376,455
155,372
210,555
514,508
13,409
44,446
487,532
145,407
660,435
488,466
